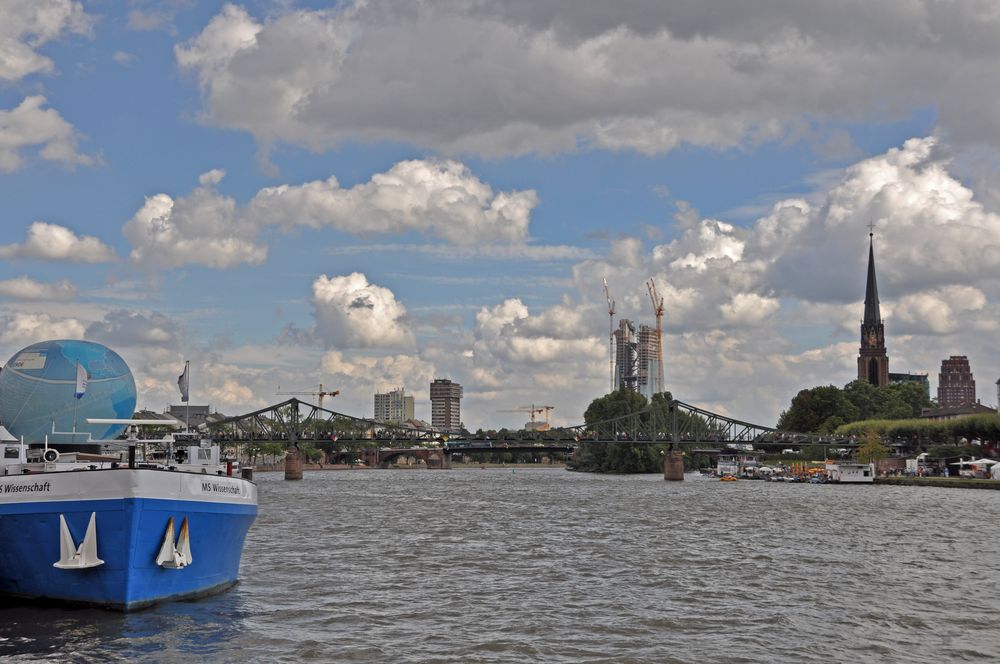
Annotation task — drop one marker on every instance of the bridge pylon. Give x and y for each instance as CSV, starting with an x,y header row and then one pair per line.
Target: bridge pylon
x,y
673,465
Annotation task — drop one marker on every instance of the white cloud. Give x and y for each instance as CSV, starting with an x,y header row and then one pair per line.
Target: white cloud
x,y
367,373
352,313
30,125
227,34
232,394
626,251
149,20
124,58
645,77
22,329
441,199
28,25
939,311
749,309
710,240
438,198
26,288
58,243
203,228
494,252
123,327
929,226
522,354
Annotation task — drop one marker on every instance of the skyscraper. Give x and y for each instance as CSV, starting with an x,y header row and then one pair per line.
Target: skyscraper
x,y
873,363
394,406
956,387
445,404
635,357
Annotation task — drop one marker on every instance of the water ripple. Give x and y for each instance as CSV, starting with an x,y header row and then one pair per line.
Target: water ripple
x,y
551,566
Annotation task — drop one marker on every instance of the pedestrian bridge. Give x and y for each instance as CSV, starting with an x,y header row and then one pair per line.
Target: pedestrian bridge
x,y
676,424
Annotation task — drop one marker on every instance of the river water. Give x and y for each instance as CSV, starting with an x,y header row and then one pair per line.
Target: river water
x,y
544,565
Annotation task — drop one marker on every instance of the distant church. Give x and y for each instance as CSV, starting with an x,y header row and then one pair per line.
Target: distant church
x,y
873,363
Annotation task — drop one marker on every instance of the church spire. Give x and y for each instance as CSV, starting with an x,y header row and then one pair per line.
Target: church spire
x,y
872,314
873,362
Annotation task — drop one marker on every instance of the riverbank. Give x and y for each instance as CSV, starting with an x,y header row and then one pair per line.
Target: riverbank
x,y
280,468
942,482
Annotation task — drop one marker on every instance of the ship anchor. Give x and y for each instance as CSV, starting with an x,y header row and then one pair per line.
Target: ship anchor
x,y
70,555
179,556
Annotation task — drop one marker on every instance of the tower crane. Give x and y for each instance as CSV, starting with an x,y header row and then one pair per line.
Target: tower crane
x,y
320,394
533,410
611,335
658,311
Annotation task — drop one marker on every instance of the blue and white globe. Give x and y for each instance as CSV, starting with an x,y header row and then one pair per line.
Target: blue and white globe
x,y
37,389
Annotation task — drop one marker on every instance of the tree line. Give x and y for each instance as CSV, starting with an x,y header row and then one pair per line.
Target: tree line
x,y
826,409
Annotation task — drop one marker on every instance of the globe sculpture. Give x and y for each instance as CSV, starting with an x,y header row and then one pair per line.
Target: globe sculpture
x,y
38,388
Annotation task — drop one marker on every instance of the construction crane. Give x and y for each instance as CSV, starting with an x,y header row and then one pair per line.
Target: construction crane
x,y
320,394
533,410
611,335
658,310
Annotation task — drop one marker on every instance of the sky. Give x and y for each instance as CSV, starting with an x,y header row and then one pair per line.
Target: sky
x,y
374,194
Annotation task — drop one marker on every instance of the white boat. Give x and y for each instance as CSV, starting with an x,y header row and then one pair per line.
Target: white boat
x,y
845,472
152,522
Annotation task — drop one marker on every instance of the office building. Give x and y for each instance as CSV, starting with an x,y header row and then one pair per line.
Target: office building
x,y
446,399
395,406
956,386
920,379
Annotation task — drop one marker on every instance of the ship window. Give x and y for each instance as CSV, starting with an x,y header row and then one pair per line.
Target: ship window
x,y
204,454
866,473
11,452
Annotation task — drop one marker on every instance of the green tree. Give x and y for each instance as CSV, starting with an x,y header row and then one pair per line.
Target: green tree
x,y
622,457
272,450
913,395
816,410
616,404
871,448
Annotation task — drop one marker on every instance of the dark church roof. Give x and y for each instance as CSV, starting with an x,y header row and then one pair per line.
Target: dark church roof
x,y
872,315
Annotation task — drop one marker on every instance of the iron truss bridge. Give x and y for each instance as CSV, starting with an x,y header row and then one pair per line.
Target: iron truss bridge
x,y
681,424
294,420
675,423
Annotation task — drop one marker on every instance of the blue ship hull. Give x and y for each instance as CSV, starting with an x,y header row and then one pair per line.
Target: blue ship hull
x,y
130,532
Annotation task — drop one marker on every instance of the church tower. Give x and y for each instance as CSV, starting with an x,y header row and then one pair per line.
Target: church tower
x,y
873,363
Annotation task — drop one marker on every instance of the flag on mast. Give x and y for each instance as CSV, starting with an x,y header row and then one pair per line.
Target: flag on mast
x,y
183,382
81,381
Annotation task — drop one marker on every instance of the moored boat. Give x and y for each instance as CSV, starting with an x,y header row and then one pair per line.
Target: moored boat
x,y
123,534
844,472
88,518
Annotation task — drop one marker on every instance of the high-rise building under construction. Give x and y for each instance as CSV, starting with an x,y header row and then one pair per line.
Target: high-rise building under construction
x,y
635,357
